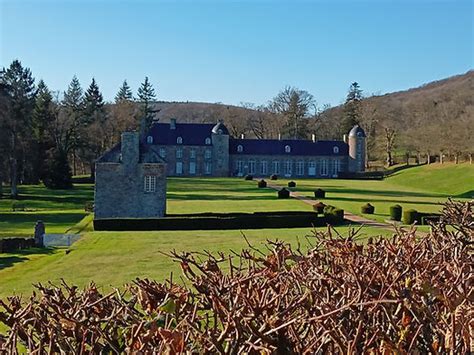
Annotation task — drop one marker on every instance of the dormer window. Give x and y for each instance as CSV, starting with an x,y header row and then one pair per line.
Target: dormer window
x,y
287,149
208,141
240,148
149,140
335,150
179,140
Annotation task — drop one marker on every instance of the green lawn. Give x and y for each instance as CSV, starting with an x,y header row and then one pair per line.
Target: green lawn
x,y
114,258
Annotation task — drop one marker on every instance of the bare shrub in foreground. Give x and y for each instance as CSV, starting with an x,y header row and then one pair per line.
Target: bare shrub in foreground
x,y
405,294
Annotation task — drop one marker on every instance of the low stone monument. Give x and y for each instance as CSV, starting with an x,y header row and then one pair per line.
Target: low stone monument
x,y
39,233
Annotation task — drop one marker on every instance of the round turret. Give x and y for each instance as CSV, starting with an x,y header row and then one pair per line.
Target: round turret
x,y
220,128
357,131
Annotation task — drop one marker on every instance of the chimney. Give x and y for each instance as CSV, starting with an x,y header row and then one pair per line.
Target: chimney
x,y
279,136
173,123
242,136
313,138
129,148
344,138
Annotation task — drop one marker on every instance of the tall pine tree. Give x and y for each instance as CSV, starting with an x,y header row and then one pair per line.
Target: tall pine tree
x,y
146,96
42,124
93,104
352,108
19,83
124,93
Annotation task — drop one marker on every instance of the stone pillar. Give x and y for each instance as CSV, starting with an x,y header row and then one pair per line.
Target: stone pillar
x,y
39,233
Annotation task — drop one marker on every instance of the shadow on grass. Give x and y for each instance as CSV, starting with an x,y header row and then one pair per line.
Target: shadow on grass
x,y
18,256
467,194
189,197
375,200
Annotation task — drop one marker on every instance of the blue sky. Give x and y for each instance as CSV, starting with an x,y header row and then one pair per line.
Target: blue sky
x,y
239,51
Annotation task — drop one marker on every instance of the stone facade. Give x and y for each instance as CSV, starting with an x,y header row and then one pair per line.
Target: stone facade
x,y
130,181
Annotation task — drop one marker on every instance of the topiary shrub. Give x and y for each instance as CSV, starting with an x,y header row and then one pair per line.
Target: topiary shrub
x,y
283,193
333,214
338,215
319,193
367,209
409,216
319,207
248,177
262,183
273,177
396,212
18,206
291,184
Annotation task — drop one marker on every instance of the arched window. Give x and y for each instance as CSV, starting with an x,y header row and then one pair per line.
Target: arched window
x,y
179,140
335,149
240,148
287,149
208,141
149,140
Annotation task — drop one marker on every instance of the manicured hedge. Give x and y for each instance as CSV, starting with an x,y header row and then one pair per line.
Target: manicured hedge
x,y
319,207
215,221
283,193
367,209
262,183
8,245
291,184
319,193
333,214
248,177
396,212
274,177
409,216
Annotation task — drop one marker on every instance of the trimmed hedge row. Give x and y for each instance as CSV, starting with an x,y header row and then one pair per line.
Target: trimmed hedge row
x,y
215,221
396,213
8,245
262,184
422,218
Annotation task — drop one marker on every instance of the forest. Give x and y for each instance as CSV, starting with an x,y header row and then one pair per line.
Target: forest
x,y
49,136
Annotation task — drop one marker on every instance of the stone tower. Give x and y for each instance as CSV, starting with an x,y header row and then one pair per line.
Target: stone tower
x,y
220,150
357,149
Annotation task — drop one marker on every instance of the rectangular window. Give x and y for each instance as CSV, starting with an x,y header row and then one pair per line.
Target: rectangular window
x,y
150,183
192,154
207,154
240,168
337,166
276,167
207,168
324,167
162,152
179,168
300,168
192,168
252,167
312,168
264,167
288,167
179,153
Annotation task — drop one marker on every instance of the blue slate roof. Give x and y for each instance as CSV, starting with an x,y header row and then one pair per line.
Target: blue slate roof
x,y
277,147
191,133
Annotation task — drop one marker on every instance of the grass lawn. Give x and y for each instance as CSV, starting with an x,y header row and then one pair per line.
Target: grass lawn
x,y
422,188
114,258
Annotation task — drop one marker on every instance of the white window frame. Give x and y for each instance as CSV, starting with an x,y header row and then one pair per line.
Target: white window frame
x,y
162,152
150,183
208,141
287,149
207,168
252,166
207,154
288,167
264,167
192,154
276,167
335,149
179,140
239,166
192,168
240,148
312,165
179,168
149,139
300,168
324,167
179,153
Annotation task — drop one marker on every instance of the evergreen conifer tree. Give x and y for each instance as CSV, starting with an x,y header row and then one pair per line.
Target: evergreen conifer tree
x,y
93,104
146,96
352,108
124,93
